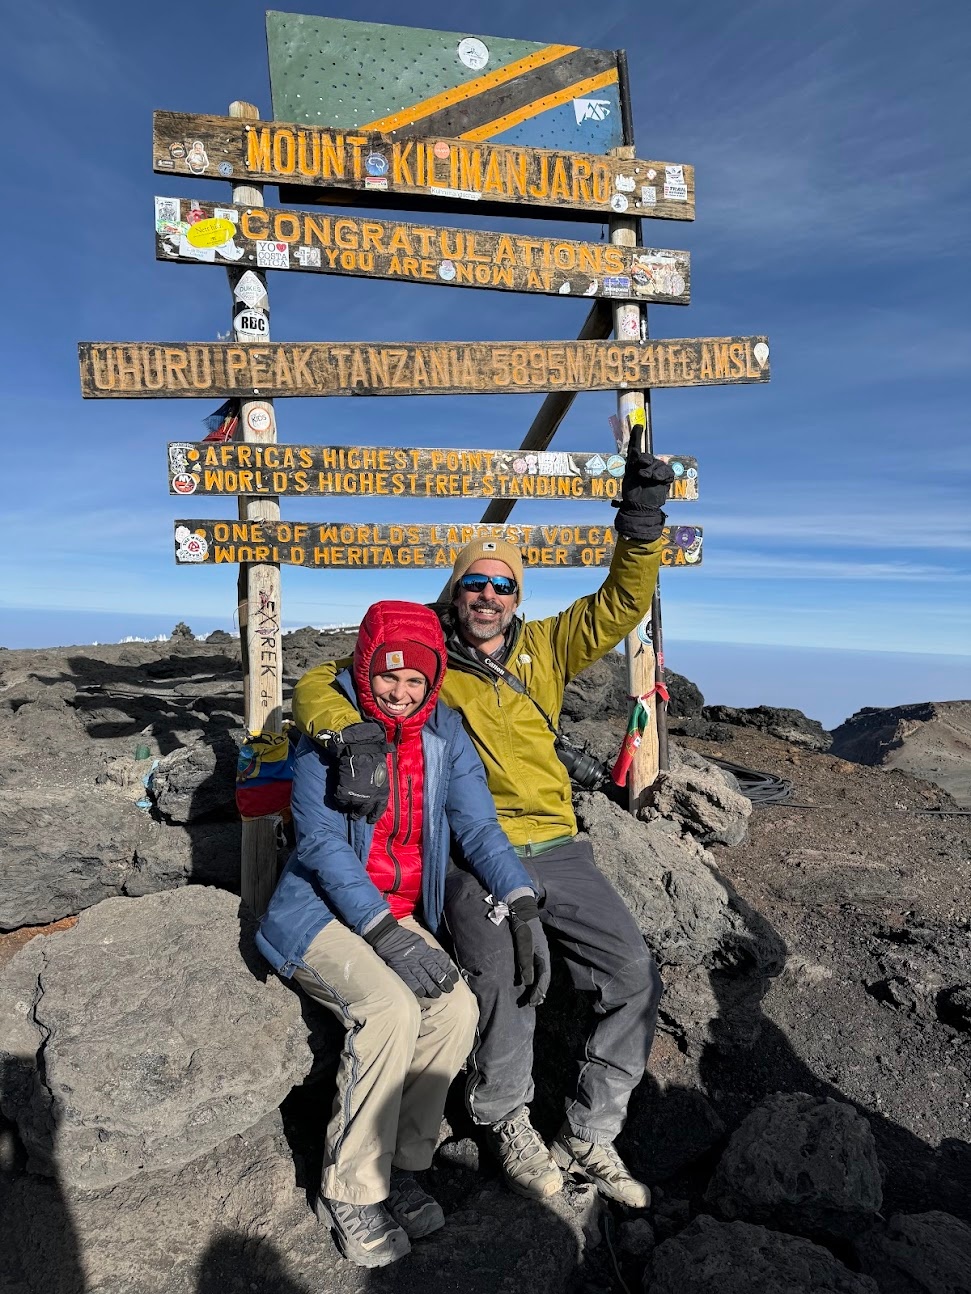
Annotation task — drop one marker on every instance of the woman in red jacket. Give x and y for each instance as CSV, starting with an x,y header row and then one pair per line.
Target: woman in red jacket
x,y
351,921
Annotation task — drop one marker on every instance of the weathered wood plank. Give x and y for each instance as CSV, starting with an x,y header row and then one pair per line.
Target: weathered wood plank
x,y
203,370
391,472
328,545
321,243
377,170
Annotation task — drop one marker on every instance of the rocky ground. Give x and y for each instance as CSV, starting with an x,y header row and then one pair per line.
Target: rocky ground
x,y
806,1123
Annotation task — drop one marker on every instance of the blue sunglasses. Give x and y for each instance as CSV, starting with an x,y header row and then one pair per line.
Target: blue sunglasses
x,y
504,585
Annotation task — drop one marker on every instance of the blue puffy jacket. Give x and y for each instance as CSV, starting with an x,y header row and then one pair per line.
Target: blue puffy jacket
x,y
325,876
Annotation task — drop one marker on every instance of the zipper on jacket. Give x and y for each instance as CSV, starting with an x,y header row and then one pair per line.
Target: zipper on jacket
x,y
396,820
411,806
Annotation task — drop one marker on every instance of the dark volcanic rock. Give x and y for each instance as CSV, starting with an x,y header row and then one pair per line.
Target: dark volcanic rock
x,y
599,691
703,799
931,741
735,1258
686,700
196,781
65,848
805,1165
142,1038
787,725
920,1253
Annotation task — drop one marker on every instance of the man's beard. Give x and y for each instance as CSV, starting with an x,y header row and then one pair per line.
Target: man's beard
x,y
482,633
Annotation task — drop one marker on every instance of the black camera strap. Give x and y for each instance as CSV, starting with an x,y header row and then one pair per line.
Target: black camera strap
x,y
499,671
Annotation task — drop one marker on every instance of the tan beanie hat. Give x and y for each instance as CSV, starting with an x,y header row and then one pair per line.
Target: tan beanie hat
x,y
496,550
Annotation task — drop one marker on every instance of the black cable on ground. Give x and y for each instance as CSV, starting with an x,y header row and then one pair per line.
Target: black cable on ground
x,y
760,788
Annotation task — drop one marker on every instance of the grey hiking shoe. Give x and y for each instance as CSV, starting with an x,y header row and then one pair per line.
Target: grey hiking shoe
x,y
414,1210
601,1165
366,1234
524,1156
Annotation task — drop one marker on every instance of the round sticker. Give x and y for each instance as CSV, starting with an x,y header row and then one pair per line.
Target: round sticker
x,y
760,351
473,53
210,233
376,164
225,168
684,536
691,473
616,465
676,467
618,202
446,271
184,483
441,149
258,419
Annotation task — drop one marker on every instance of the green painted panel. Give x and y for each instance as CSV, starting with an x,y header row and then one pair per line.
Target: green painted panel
x,y
329,71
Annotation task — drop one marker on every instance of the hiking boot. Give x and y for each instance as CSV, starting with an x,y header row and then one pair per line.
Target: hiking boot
x,y
414,1210
524,1156
366,1234
601,1165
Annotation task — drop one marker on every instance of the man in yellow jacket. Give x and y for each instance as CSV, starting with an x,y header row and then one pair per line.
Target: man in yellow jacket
x,y
506,677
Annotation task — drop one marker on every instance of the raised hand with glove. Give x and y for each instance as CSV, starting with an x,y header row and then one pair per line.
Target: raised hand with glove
x,y
427,971
530,949
362,769
642,493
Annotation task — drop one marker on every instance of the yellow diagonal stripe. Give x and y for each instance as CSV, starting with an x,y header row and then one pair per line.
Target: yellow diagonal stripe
x,y
469,89
577,91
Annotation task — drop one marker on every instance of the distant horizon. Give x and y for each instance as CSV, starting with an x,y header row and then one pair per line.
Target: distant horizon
x,y
826,683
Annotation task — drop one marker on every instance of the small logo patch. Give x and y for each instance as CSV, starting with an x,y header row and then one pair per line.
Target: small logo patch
x,y
394,660
489,548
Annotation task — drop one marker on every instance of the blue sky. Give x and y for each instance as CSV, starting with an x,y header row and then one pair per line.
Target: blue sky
x,y
832,214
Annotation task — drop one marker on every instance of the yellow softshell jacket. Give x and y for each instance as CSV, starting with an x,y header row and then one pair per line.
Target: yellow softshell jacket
x,y
530,786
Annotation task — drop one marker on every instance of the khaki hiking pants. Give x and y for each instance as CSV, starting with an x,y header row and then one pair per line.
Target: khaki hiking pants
x,y
399,1057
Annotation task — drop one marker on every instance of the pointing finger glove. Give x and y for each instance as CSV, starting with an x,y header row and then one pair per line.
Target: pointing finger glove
x,y
530,949
362,770
643,491
427,971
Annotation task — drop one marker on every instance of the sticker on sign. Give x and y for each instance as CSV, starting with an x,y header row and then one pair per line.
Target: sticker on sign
x,y
251,325
249,289
258,419
273,256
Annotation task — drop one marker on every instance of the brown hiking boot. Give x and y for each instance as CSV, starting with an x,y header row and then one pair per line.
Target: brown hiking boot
x,y
601,1165
525,1158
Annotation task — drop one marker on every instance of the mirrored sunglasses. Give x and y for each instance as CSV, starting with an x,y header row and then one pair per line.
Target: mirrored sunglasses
x,y
504,585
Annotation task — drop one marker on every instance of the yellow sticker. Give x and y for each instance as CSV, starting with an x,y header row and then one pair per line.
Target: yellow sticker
x,y
210,233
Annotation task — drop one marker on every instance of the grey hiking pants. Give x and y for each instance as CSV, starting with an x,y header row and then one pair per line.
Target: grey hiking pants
x,y
585,920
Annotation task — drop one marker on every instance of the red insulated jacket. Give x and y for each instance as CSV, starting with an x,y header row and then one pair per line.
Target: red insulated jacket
x,y
395,859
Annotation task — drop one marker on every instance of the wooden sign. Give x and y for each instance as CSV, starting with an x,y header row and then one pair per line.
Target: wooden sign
x,y
392,472
269,238
210,370
418,81
376,170
330,545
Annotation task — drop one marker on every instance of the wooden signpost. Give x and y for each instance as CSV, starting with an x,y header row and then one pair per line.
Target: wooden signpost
x,y
364,545
418,121
396,472
434,173
270,238
146,370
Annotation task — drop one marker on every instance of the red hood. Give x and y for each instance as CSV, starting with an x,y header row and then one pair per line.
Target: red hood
x,y
395,622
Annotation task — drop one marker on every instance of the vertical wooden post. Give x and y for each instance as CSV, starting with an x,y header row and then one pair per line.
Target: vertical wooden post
x,y
634,415
259,597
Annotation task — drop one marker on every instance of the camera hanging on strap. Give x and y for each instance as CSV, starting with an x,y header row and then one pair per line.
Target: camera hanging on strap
x,y
585,770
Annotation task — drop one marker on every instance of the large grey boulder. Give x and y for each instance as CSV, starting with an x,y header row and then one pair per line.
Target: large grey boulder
x,y
920,1253
802,1164
144,1037
736,1258
196,781
702,799
238,1218
669,883
64,848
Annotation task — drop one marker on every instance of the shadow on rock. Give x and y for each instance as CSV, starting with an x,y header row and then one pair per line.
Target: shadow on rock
x,y
40,1246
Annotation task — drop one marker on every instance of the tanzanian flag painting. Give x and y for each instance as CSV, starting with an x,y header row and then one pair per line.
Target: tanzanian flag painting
x,y
411,81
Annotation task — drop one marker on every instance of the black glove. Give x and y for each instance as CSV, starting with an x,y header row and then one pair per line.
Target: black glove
x,y
426,970
530,948
643,491
362,770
